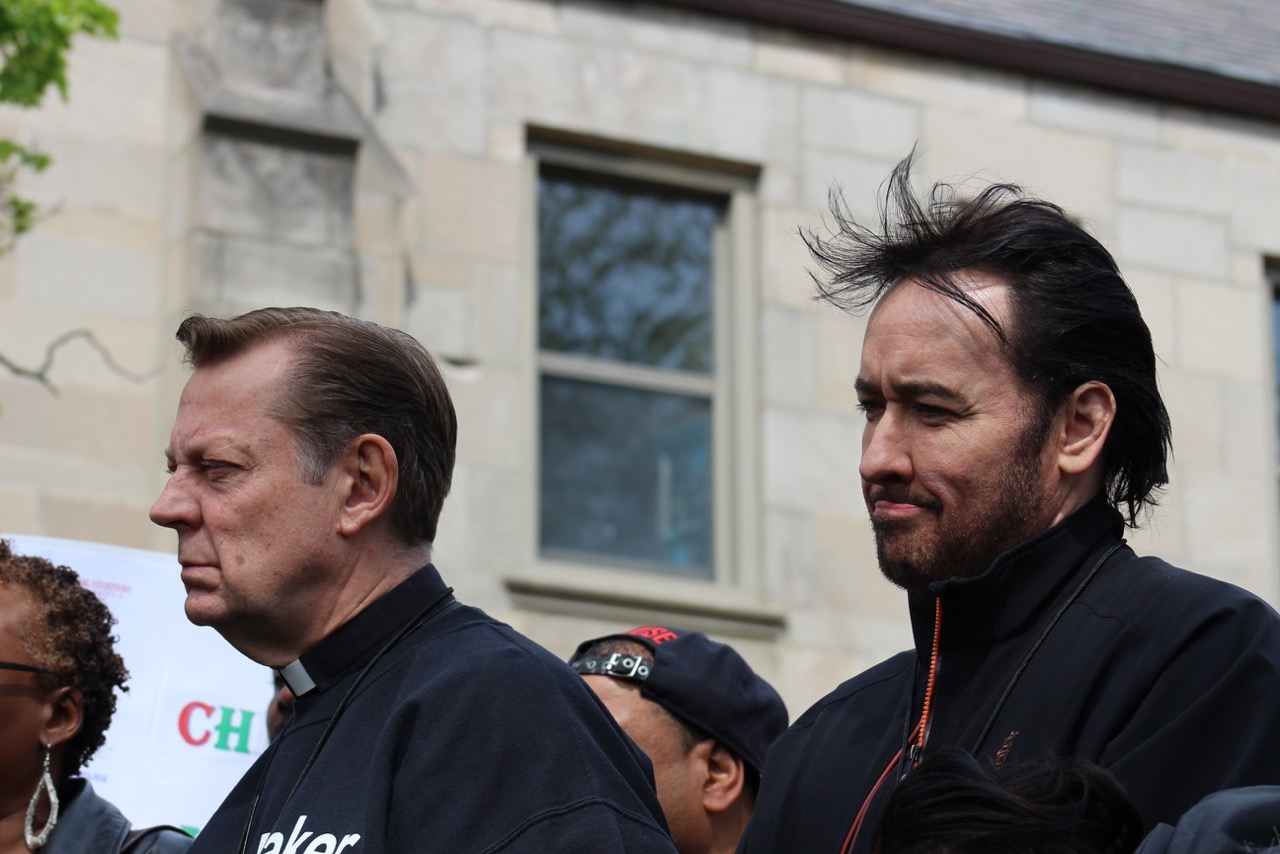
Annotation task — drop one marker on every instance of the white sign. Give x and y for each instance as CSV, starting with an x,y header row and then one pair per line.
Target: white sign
x,y
194,717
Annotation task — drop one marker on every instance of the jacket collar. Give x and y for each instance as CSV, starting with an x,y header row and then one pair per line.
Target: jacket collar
x,y
352,644
87,824
1019,585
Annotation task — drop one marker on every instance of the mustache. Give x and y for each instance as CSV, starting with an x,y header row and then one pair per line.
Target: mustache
x,y
901,494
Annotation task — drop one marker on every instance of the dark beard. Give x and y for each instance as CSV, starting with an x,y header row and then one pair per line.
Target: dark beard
x,y
1015,514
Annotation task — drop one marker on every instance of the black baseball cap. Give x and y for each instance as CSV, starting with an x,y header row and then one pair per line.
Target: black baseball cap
x,y
706,684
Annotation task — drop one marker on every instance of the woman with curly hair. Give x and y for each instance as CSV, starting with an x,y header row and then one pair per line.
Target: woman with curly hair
x,y
58,674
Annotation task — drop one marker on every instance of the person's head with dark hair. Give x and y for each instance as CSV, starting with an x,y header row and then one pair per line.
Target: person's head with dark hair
x,y
1007,375
702,716
955,804
310,458
59,673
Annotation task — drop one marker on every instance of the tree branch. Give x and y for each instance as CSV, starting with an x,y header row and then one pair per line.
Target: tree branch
x,y
41,374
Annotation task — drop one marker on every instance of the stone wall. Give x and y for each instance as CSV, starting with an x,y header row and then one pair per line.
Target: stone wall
x,y
418,213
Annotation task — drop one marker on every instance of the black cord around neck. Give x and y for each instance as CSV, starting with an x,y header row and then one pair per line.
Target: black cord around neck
x,y
423,615
1035,647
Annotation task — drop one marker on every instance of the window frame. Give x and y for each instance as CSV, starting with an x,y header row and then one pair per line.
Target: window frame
x,y
602,586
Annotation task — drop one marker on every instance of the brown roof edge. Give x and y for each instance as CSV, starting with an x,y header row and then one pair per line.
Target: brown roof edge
x,y
1135,76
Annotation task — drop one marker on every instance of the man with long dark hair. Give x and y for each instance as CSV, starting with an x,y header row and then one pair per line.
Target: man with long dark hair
x,y
1013,429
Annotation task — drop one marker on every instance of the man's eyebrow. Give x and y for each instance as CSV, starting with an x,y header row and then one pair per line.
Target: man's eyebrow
x,y
922,388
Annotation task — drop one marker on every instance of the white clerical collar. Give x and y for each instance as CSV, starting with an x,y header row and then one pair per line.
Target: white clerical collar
x,y
299,680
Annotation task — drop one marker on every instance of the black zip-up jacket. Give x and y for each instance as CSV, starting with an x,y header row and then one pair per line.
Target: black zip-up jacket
x,y
465,737
1169,679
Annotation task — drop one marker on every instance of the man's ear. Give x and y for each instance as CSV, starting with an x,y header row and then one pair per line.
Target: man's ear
x,y
371,478
1084,420
725,780
63,715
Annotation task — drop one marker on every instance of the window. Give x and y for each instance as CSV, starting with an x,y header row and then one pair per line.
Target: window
x,y
633,387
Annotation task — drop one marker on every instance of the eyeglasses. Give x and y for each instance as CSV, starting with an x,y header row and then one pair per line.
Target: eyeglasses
x,y
26,668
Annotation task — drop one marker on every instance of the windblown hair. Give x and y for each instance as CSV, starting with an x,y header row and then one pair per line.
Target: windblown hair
x,y
69,634
350,377
1073,318
954,804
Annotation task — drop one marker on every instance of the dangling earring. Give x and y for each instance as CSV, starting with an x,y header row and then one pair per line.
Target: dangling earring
x,y
37,840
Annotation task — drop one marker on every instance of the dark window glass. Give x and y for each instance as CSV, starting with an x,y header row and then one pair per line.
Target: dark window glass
x,y
624,273
626,474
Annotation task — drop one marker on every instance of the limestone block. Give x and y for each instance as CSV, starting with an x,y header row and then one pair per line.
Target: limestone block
x,y
790,360
1251,424
270,45
1227,523
811,461
237,274
117,93
785,257
496,504
1161,531
1094,112
790,565
744,116
1069,169
1176,180
779,184
493,406
436,270
434,113
100,175
472,207
147,20
1255,213
995,95
104,228
1212,132
441,320
377,222
692,35
850,580
839,356
76,275
1155,294
434,73
507,141
19,508
108,428
858,180
263,190
1199,416
787,54
453,545
548,81
28,331
83,518
538,16
1223,330
8,277
1184,243
503,320
857,122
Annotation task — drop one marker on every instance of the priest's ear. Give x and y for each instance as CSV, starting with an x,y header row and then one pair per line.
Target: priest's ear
x,y
369,475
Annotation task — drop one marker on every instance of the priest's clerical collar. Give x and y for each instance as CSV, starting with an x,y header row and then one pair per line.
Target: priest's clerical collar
x,y
299,680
